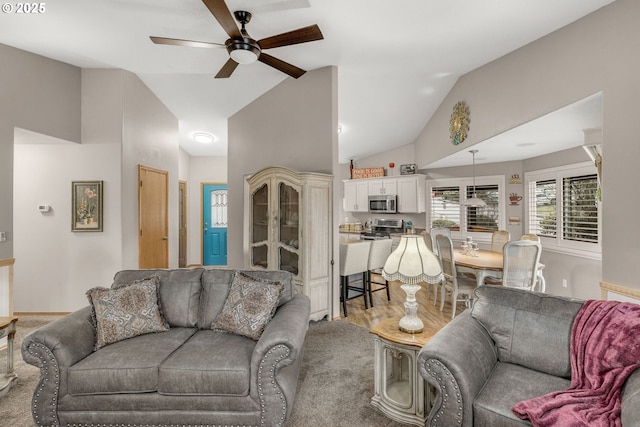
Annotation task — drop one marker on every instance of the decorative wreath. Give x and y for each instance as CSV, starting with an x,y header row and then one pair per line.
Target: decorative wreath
x,y
459,123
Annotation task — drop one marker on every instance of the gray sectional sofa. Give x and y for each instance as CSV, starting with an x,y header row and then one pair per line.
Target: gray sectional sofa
x,y
188,375
513,345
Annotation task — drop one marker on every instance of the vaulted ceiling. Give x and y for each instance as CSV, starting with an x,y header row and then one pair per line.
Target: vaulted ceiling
x,y
396,60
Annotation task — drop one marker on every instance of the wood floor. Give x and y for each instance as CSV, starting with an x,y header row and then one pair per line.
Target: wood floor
x,y
383,309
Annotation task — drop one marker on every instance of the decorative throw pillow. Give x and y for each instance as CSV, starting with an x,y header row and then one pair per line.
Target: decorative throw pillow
x,y
126,312
249,307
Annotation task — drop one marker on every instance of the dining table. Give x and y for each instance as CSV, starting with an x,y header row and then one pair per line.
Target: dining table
x,y
486,263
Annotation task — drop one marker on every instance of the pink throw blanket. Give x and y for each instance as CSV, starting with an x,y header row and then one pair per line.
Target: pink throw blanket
x,y
605,350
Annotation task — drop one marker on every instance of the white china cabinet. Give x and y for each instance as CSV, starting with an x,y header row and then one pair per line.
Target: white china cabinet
x,y
290,229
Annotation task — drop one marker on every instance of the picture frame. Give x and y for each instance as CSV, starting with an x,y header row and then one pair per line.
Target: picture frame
x,y
86,206
409,169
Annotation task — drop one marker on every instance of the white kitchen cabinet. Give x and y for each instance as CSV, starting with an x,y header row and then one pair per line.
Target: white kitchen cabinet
x,y
290,228
411,194
386,186
410,189
356,195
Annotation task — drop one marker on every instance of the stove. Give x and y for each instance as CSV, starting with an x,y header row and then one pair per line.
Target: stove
x,y
383,228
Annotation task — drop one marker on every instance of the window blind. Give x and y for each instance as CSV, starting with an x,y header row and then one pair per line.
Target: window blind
x,y
579,208
483,219
542,208
445,207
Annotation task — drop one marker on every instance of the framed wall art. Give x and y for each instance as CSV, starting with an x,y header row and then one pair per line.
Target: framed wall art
x,y
86,206
409,169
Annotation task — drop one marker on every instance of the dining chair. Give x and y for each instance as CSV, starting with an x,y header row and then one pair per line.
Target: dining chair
x,y
541,282
429,242
533,237
521,259
453,282
427,239
378,254
435,231
498,239
354,259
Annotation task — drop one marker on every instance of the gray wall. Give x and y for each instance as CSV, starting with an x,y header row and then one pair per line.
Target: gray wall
x,y
123,124
590,55
292,125
40,95
117,108
149,138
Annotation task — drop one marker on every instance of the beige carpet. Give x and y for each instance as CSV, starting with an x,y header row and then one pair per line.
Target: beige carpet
x,y
334,389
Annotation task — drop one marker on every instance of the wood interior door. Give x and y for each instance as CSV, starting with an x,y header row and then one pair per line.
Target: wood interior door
x,y
153,218
182,224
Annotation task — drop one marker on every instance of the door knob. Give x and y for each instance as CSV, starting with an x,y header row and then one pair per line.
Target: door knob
x,y
165,238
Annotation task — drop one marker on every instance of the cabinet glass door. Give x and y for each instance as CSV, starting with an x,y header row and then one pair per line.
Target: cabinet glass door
x,y
398,386
289,226
260,227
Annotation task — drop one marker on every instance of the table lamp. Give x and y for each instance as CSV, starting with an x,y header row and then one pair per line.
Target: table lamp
x,y
411,263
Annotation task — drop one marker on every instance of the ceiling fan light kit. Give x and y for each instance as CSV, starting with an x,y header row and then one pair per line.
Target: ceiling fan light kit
x,y
243,52
241,47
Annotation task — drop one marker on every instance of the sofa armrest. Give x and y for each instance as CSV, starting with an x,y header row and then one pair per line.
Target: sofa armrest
x,y
53,348
457,361
277,358
630,413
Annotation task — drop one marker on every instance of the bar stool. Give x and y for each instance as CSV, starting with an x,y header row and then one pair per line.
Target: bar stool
x,y
380,251
354,259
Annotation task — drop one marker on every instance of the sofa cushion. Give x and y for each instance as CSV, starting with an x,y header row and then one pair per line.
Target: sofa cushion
x,y
249,306
129,366
216,284
126,312
209,363
507,385
529,328
179,292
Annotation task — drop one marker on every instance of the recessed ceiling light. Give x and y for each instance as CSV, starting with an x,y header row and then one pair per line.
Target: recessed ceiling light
x,y
203,137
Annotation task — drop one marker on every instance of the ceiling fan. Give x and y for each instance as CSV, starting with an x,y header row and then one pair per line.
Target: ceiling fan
x,y
241,47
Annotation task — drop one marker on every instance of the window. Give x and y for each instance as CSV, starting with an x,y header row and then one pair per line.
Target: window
x,y
446,210
484,219
219,208
563,208
445,207
542,213
580,209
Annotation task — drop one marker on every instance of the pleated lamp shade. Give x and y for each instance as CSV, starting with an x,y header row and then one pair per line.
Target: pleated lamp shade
x,y
412,262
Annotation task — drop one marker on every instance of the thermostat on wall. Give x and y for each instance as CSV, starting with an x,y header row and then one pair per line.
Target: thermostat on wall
x,y
44,208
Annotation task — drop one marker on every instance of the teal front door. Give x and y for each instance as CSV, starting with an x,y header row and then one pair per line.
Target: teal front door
x,y
214,227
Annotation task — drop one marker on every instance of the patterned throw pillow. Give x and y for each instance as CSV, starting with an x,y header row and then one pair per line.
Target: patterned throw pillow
x,y
249,307
126,312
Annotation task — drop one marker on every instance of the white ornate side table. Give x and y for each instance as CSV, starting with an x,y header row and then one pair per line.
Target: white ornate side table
x,y
8,329
400,392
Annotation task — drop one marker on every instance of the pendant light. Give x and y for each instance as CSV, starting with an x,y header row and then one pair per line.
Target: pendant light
x,y
474,202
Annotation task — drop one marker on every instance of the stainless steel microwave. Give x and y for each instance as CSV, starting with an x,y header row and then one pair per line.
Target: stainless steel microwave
x,y
387,203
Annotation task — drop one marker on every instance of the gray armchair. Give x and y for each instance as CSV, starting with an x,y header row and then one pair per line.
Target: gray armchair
x,y
513,345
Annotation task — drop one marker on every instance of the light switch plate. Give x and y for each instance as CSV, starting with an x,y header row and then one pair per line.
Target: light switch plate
x,y
3,236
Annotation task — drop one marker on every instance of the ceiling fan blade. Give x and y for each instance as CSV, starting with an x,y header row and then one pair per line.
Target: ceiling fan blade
x,y
227,69
221,12
301,35
188,43
279,64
